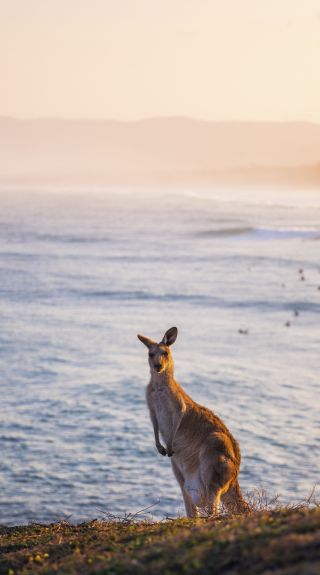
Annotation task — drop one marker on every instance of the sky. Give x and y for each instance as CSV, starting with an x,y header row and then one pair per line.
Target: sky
x,y
219,60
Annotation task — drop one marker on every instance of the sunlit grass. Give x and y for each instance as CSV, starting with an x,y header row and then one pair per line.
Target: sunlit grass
x,y
269,537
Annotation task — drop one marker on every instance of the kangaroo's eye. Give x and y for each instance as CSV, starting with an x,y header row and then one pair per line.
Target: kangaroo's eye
x,y
151,354
165,353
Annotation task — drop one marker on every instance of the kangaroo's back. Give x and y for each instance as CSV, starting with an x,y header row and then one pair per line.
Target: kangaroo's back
x,y
200,423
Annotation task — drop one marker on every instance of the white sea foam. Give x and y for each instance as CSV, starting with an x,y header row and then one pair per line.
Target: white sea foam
x,y
258,198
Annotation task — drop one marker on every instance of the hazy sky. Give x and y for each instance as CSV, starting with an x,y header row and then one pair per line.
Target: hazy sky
x,y
128,59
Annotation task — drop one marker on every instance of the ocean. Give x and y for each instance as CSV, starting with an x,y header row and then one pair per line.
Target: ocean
x,y
82,271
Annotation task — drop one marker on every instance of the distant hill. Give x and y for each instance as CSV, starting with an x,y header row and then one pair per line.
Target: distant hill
x,y
159,149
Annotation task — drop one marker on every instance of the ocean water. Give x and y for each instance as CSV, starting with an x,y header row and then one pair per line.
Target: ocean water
x,y
83,271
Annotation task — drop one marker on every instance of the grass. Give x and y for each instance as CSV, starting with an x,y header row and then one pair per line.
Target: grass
x,y
281,541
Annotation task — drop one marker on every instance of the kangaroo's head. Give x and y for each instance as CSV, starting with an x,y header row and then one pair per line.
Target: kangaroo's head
x,y
160,358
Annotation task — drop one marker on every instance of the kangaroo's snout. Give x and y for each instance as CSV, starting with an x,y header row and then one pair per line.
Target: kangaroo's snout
x,y
157,361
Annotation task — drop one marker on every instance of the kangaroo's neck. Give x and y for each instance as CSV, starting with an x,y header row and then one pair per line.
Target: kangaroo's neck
x,y
163,379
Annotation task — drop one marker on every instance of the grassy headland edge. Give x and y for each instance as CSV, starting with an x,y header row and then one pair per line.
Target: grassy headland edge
x,y
285,541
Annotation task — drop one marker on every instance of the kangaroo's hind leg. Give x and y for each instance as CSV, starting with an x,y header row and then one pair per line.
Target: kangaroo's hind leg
x,y
191,508
217,473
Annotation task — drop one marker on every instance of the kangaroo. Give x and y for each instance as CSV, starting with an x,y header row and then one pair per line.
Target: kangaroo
x,y
205,457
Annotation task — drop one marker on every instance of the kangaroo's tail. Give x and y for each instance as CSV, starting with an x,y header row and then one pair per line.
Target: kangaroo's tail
x,y
233,499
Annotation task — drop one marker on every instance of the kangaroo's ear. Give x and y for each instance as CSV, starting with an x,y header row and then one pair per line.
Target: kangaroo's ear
x,y
170,336
146,340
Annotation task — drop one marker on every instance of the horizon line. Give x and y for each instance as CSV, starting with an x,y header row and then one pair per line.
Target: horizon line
x,y
153,118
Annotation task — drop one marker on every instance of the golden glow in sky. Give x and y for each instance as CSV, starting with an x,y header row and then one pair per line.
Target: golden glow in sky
x,y
128,59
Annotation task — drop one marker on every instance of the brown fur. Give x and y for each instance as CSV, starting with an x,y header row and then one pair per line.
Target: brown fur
x,y
205,456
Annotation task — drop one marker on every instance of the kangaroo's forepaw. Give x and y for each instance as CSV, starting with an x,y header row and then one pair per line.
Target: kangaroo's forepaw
x,y
169,452
162,450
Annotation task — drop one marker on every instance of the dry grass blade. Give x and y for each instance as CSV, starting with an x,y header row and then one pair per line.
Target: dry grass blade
x,y
128,518
259,500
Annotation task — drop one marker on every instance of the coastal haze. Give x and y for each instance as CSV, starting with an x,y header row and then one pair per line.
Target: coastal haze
x,y
159,166
47,151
